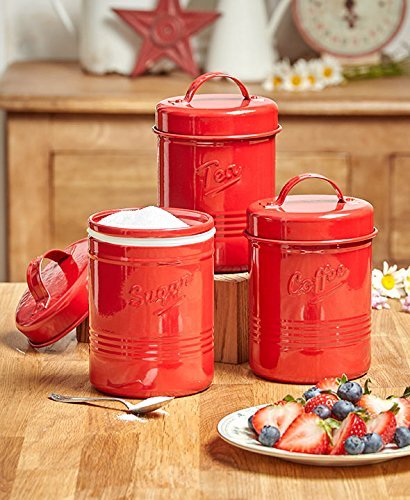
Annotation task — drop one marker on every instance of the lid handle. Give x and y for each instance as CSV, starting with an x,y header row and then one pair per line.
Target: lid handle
x,y
299,178
34,279
208,76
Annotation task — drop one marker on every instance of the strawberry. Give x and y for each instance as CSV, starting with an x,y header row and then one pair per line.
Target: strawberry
x,y
278,415
352,425
383,424
282,402
306,434
375,405
328,384
323,399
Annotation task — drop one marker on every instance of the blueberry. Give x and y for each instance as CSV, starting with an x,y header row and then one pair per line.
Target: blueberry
x,y
350,391
250,424
341,409
269,435
372,443
311,393
402,437
322,411
354,445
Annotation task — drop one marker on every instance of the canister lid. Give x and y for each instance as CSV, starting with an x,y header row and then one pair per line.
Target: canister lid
x,y
215,115
311,218
56,300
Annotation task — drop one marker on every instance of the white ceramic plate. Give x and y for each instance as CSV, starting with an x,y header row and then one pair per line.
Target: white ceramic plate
x,y
234,430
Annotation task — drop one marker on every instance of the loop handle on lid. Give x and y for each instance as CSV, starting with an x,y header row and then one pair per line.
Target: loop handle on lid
x,y
34,279
208,76
298,178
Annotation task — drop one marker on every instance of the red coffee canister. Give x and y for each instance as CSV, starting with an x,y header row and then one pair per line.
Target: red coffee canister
x,y
216,153
151,307
310,285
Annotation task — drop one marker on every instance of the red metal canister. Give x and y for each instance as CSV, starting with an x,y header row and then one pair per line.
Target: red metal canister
x,y
216,153
151,307
310,285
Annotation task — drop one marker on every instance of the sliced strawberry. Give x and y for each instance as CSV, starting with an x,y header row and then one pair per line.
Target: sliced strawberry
x,y
305,435
322,399
352,425
281,416
403,414
383,424
375,405
328,384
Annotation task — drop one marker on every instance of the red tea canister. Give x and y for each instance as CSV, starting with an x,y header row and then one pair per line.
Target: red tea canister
x,y
151,307
216,154
310,285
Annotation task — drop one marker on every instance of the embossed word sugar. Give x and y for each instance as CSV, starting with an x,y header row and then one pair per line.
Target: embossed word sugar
x,y
144,218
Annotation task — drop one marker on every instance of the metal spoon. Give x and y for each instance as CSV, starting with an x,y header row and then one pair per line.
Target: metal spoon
x,y
145,406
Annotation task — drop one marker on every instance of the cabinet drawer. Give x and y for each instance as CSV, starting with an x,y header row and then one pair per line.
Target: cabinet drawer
x,y
400,209
84,183
336,166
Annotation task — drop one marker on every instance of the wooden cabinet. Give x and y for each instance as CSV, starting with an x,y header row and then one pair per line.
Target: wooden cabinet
x,y
78,143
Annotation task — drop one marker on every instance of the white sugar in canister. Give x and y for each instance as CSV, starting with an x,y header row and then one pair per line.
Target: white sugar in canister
x,y
144,218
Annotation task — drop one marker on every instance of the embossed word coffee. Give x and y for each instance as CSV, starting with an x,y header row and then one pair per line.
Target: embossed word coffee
x,y
151,303
310,283
216,153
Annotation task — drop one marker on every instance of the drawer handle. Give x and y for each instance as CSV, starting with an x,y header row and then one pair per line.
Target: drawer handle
x,y
299,178
34,279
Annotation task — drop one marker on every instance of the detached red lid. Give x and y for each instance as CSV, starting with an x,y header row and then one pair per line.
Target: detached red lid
x,y
57,297
313,219
217,115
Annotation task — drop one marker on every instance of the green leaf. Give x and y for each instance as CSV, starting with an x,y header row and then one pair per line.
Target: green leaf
x,y
406,393
366,387
363,414
333,423
328,425
343,379
290,399
329,391
395,408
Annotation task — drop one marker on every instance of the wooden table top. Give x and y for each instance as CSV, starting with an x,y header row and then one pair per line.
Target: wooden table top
x,y
54,450
61,87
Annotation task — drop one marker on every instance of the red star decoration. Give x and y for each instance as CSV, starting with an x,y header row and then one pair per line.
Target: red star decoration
x,y
166,32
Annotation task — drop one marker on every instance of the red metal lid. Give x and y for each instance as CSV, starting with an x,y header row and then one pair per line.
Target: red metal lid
x,y
208,116
57,297
317,219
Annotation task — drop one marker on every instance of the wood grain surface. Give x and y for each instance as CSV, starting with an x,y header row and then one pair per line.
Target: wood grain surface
x,y
231,318
47,86
54,450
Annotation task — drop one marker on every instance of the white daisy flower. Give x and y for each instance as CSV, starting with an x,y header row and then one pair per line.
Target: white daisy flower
x,y
314,74
277,75
389,282
329,71
406,280
296,79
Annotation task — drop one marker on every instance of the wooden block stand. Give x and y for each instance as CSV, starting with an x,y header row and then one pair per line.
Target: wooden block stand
x,y
231,318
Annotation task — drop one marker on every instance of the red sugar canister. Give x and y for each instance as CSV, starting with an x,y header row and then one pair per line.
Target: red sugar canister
x,y
310,285
151,307
216,153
